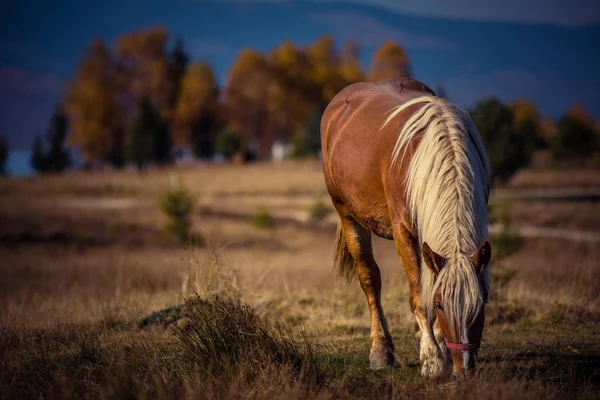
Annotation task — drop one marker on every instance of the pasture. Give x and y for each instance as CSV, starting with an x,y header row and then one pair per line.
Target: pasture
x,y
91,291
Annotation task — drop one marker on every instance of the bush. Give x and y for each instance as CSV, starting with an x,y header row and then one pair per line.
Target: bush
x,y
319,211
228,143
263,219
178,205
221,333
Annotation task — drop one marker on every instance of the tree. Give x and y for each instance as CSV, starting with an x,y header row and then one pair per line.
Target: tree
x,y
145,128
507,150
229,143
91,107
290,90
196,118
307,140
38,159
58,158
178,62
144,69
326,73
247,100
576,138
4,153
389,61
349,67
529,123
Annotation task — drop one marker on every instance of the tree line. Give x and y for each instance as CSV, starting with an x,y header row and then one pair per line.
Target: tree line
x,y
143,102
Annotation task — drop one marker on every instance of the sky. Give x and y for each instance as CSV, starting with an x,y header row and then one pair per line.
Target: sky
x,y
543,50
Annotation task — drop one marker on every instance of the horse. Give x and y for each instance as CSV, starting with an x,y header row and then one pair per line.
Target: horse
x,y
409,166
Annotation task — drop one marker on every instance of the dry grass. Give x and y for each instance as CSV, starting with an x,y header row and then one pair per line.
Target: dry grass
x,y
77,281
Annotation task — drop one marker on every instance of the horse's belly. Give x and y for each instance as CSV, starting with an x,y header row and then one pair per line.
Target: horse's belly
x,y
378,224
366,203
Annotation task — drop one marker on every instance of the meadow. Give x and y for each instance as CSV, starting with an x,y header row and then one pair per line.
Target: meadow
x,y
96,302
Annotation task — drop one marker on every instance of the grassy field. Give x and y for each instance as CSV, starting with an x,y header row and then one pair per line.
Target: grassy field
x,y
95,302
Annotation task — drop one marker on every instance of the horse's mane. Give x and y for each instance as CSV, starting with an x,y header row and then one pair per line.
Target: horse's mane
x,y
447,192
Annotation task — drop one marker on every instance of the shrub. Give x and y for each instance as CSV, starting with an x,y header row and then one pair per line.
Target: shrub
x,y
178,205
220,334
263,219
228,143
319,211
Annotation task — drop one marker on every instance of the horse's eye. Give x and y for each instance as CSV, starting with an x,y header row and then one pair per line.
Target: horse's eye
x,y
439,306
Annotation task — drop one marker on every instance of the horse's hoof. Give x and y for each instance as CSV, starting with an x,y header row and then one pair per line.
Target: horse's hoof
x,y
381,359
432,368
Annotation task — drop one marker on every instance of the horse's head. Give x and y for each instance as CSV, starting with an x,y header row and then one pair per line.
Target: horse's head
x,y
459,304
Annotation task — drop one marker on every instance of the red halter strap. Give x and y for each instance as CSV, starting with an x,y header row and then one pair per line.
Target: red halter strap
x,y
462,346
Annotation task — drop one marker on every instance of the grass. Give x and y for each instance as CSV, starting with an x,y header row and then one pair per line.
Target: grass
x,y
92,305
319,211
263,219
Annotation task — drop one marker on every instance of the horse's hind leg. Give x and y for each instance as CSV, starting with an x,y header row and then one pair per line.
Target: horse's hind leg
x,y
358,243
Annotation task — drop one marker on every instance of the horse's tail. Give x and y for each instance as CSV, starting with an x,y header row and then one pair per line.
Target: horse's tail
x,y
343,261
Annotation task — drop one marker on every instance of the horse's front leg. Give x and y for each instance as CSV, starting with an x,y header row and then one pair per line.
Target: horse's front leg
x,y
430,354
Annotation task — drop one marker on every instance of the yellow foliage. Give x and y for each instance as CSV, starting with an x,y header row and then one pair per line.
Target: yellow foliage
x,y
144,67
389,61
91,105
197,95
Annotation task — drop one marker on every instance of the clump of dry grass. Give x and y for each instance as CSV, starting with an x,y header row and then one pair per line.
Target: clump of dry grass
x,y
222,335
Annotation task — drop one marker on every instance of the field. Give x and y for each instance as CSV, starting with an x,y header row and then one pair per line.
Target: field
x,y
96,302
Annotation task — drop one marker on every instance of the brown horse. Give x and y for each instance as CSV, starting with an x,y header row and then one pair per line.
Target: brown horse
x,y
410,167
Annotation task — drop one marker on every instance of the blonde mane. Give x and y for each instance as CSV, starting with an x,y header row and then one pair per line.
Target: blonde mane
x,y
447,192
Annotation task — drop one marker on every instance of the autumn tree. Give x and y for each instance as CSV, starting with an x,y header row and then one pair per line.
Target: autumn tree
x,y
389,61
289,91
4,153
529,123
326,74
196,119
349,66
91,106
144,69
247,99
507,150
576,139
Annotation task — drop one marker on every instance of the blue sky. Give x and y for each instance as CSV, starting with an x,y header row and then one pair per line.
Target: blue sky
x,y
543,50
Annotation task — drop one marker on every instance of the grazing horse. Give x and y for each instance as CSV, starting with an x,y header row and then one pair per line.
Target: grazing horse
x,y
409,166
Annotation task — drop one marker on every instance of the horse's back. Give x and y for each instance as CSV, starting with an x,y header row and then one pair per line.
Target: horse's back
x,y
356,151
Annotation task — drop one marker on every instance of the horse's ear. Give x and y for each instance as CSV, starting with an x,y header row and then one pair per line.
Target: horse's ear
x,y
482,257
434,261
